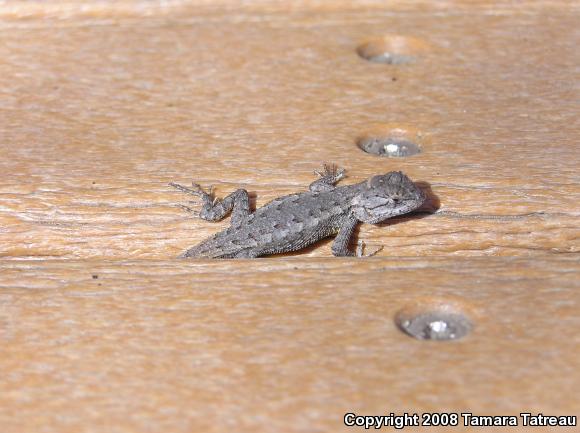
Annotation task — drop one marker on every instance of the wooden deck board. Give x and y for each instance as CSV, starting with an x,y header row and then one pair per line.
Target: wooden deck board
x,y
102,105
286,345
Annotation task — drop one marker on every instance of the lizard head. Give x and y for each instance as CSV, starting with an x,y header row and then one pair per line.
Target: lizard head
x,y
385,196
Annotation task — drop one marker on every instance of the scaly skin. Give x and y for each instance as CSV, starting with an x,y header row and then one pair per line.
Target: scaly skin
x,y
292,222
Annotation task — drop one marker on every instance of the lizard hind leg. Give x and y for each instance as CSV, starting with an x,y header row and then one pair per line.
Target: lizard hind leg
x,y
330,175
238,202
214,209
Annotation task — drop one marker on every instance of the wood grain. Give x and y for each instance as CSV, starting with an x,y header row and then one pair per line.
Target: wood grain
x,y
103,103
288,345
94,130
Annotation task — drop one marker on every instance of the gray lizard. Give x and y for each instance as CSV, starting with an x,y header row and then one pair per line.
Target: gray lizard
x,y
294,221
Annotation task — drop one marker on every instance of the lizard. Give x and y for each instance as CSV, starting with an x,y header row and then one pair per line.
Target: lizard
x,y
294,221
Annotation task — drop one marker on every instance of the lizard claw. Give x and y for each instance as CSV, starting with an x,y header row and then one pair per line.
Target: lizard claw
x,y
198,191
195,189
188,209
208,195
331,171
361,246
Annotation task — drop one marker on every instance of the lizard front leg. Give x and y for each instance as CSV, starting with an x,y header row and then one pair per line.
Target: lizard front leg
x,y
331,175
214,209
342,240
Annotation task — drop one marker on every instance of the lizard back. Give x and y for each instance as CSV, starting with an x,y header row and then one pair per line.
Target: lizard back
x,y
285,224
